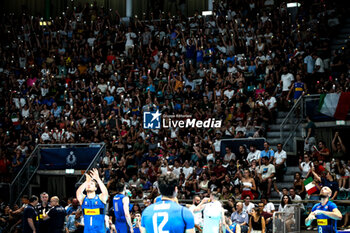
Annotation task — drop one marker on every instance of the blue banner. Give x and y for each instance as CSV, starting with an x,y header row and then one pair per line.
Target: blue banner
x,y
234,144
67,158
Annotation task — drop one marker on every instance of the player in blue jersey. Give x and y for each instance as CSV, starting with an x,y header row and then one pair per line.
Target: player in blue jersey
x,y
157,199
167,215
121,210
93,205
326,213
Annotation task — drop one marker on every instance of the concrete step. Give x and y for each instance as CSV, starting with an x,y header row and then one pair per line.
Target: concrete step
x,y
274,141
343,36
291,120
339,41
277,134
344,31
276,127
291,170
336,47
282,114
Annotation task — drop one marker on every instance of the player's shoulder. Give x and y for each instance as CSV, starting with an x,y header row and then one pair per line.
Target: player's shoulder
x,y
332,205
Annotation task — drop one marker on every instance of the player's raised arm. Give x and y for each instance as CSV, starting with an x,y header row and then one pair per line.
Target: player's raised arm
x,y
104,192
82,187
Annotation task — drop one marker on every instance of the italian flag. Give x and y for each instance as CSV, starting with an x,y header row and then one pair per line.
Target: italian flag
x,y
335,105
309,186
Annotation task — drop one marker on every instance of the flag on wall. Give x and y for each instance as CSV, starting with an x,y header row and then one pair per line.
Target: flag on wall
x,y
335,105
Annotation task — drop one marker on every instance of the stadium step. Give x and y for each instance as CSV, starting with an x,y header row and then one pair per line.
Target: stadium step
x,y
277,134
276,127
282,114
339,41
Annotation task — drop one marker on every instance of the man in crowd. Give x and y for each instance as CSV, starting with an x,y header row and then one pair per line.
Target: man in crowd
x,y
42,207
240,217
55,216
266,174
279,162
30,216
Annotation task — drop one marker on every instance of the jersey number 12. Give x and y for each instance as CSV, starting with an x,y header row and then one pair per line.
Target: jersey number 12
x,y
156,228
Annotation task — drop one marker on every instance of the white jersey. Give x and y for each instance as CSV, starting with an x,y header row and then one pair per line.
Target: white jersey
x,y
212,216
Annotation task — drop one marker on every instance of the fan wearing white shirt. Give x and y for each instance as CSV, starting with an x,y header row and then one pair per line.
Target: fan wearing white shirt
x,y
254,154
280,162
187,170
129,40
229,156
229,92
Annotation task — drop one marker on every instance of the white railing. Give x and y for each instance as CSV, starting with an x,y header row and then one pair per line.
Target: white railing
x,y
287,221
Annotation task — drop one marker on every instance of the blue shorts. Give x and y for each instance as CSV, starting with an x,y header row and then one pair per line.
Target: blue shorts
x,y
122,227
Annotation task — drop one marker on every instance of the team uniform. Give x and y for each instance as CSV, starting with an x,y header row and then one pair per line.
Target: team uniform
x,y
29,212
212,216
43,225
158,199
167,216
121,224
325,223
94,215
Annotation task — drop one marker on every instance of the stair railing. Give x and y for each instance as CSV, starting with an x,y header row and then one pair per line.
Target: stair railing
x,y
93,164
295,118
24,176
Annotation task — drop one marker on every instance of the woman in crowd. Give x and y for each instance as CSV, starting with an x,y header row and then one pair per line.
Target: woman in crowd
x,y
256,222
248,185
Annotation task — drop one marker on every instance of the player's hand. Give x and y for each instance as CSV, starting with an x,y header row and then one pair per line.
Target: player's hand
x,y
88,177
131,230
317,212
94,174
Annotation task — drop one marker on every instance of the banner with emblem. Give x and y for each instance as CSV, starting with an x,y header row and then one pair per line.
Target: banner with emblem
x,y
67,158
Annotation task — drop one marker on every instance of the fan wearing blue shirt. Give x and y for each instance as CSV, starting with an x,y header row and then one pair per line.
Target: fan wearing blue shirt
x,y
326,213
167,215
267,152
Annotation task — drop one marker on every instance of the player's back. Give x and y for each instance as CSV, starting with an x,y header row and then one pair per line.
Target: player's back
x,y
119,208
212,216
167,216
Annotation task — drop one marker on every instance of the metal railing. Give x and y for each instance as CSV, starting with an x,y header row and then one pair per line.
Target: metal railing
x,y
93,164
24,176
288,220
291,124
30,167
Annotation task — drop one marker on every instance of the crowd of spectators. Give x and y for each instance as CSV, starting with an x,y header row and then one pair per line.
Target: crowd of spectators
x,y
90,75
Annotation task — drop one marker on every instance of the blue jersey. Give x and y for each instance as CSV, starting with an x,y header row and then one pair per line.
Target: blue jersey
x,y
119,208
298,89
325,223
158,199
94,215
167,216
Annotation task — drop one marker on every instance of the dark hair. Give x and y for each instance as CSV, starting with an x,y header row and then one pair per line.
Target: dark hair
x,y
257,211
33,199
25,197
289,200
119,187
296,174
167,184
